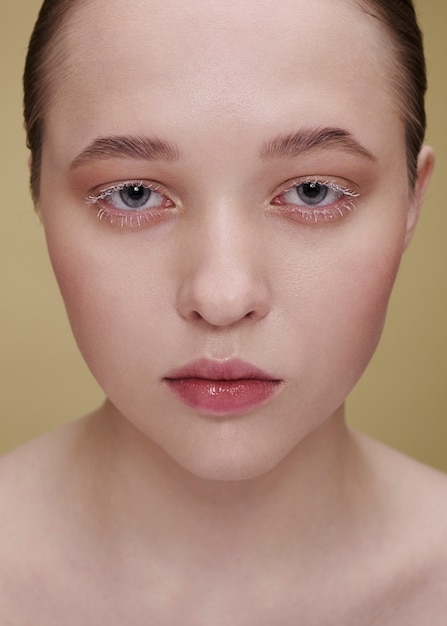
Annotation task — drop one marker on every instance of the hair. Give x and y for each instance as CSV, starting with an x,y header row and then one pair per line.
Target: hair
x,y
407,70
409,74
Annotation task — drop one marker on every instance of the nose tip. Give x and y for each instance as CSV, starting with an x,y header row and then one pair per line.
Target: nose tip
x,y
224,305
223,298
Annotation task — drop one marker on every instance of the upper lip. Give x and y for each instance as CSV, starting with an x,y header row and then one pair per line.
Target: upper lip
x,y
234,369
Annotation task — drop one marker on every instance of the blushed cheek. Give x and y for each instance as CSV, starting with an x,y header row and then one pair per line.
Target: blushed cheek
x,y
337,316
83,282
366,297
84,303
118,317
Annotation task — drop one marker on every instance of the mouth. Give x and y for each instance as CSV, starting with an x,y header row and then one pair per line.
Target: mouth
x,y
222,388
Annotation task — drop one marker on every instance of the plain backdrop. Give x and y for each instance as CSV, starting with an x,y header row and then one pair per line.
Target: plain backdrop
x,y
402,398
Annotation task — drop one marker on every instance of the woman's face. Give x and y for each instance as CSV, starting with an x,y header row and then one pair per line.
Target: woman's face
x,y
221,182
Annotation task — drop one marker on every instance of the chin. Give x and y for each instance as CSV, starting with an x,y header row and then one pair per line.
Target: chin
x,y
230,463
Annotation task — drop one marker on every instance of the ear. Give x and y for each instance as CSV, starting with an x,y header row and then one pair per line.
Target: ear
x,y
426,162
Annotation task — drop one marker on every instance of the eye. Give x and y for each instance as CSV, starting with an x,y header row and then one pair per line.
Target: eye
x,y
311,194
132,196
315,201
131,204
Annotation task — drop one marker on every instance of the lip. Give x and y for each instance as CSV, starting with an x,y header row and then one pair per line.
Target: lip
x,y
222,388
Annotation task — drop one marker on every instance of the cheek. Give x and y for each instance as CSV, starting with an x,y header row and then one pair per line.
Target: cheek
x,y
341,310
359,309
116,302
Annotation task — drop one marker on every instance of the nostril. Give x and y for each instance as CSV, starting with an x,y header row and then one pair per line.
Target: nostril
x,y
222,317
195,316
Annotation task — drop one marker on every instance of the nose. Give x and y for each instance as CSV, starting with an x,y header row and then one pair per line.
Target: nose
x,y
223,279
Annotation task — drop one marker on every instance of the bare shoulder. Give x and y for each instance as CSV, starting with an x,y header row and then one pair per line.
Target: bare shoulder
x,y
36,512
412,484
39,481
31,474
415,494
414,519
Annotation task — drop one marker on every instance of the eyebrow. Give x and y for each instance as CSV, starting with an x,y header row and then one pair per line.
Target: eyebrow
x,y
309,139
127,146
286,145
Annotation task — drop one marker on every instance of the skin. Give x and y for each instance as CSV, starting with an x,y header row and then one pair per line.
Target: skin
x,y
241,505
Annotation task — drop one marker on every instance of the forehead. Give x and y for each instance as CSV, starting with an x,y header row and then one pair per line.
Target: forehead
x,y
206,61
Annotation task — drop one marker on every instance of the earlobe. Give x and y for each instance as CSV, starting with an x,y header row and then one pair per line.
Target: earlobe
x,y
426,162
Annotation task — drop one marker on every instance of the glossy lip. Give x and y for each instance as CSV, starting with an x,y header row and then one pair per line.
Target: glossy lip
x,y
222,388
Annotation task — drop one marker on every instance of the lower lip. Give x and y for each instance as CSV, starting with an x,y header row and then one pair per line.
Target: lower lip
x,y
223,397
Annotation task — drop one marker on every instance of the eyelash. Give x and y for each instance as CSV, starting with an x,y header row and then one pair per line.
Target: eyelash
x,y
320,214
129,218
307,214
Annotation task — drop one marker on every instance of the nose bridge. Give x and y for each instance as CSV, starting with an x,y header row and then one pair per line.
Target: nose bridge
x,y
224,281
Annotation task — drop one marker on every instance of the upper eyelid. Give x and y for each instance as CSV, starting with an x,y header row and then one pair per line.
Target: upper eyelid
x,y
325,181
108,190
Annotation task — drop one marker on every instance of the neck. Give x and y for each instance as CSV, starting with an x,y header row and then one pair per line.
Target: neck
x,y
161,504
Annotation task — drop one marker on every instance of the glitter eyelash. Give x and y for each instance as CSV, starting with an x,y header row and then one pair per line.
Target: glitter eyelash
x,y
124,220
323,213
105,193
131,218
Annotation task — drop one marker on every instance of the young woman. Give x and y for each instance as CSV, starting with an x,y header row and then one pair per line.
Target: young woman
x,y
227,190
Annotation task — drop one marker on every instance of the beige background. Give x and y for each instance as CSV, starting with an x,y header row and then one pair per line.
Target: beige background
x,y
402,398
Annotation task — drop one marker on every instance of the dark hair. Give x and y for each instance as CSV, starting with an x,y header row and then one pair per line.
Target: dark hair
x,y
409,75
398,17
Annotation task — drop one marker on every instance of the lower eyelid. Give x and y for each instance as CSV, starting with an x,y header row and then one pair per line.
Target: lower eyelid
x,y
131,219
322,215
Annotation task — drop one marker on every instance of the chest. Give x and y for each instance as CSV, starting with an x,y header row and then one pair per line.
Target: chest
x,y
73,602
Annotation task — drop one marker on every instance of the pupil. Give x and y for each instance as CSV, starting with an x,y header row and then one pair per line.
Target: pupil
x,y
136,192
312,190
